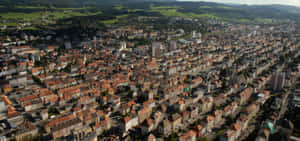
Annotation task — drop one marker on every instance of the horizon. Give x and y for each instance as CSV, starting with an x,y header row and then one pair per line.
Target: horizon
x,y
253,2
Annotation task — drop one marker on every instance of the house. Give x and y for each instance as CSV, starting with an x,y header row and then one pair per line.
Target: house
x,y
19,48
179,106
26,130
263,134
244,96
243,121
129,122
218,117
101,126
32,105
229,135
227,110
237,129
144,114
185,116
209,122
14,118
196,82
165,128
194,112
149,103
199,130
147,126
60,120
65,128
125,108
44,114
176,120
151,137
7,88
206,104
37,70
158,117
188,136
251,110
234,106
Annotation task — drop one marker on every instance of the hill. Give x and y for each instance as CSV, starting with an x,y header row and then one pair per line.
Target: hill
x,y
71,3
14,12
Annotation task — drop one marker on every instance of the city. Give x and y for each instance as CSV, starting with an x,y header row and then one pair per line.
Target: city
x,y
188,79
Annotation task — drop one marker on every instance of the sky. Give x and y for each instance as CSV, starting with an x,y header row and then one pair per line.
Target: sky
x,y
252,2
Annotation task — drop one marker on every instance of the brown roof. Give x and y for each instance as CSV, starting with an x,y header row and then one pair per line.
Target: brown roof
x,y
209,118
236,126
59,120
127,119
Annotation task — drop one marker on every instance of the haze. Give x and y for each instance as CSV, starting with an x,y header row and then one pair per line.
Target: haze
x,y
255,2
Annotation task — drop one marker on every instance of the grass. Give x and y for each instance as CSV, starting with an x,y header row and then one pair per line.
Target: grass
x,y
135,10
220,7
31,7
30,28
118,7
164,7
226,7
172,11
113,21
20,16
14,18
243,20
220,133
205,7
263,20
9,24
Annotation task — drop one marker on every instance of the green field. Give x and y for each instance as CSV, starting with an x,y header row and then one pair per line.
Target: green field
x,y
113,21
172,11
135,10
53,14
118,7
37,15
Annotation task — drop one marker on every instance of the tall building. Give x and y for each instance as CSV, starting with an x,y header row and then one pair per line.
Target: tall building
x,y
277,81
123,46
172,46
2,106
194,35
157,49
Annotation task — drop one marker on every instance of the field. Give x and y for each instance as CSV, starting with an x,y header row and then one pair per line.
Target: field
x,y
36,15
172,11
40,13
113,21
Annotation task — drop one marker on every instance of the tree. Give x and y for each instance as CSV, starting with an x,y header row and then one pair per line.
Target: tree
x,y
173,137
203,139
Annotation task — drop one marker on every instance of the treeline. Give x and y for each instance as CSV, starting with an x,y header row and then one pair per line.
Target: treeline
x,y
71,3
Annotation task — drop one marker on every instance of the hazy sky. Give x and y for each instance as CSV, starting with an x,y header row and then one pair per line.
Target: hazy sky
x,y
285,2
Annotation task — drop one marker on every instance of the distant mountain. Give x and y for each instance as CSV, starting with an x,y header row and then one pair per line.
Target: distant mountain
x,y
73,2
230,12
290,9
